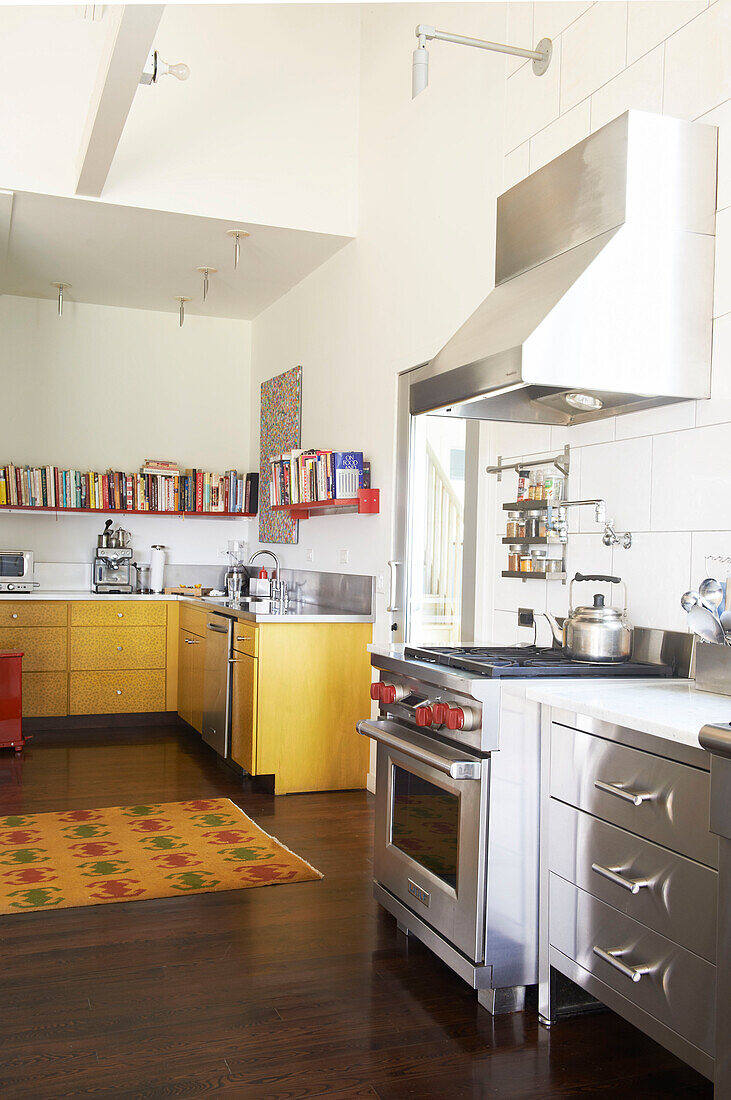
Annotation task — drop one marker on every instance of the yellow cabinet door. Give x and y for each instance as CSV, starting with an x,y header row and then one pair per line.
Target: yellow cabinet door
x,y
45,694
43,647
125,691
244,711
197,662
103,647
186,644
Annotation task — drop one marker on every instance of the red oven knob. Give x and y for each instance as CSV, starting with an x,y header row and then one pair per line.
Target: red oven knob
x,y
440,712
455,718
424,716
376,691
388,694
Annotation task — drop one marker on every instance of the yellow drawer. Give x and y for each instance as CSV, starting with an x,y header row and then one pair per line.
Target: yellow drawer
x,y
33,613
124,692
44,647
118,613
104,647
45,694
246,638
193,620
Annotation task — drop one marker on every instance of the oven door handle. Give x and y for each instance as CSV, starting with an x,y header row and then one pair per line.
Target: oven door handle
x,y
455,769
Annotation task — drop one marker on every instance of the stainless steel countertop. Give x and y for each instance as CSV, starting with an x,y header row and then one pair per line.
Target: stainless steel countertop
x,y
254,611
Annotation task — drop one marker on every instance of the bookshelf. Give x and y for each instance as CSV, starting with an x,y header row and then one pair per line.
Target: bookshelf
x,y
367,503
123,512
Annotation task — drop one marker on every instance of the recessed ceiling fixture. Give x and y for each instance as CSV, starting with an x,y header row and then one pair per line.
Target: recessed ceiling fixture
x,y
155,67
237,235
60,287
205,272
181,312
586,402
540,56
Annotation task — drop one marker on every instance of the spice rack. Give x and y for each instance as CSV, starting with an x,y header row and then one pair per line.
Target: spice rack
x,y
543,516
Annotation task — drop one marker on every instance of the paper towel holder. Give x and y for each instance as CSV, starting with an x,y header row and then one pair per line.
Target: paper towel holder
x,y
157,568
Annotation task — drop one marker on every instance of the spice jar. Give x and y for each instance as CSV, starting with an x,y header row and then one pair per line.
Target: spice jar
x,y
511,528
539,561
531,526
553,565
522,485
526,564
542,528
521,528
539,492
514,561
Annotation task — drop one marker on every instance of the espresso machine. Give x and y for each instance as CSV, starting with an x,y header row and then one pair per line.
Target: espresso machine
x,y
113,565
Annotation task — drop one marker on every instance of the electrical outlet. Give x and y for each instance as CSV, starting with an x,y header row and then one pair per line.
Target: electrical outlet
x,y
309,554
381,583
526,617
344,557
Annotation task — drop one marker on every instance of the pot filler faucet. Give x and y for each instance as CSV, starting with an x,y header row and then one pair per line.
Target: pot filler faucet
x,y
611,537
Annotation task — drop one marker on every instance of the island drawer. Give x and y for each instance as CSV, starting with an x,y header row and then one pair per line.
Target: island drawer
x,y
245,638
116,692
43,647
118,613
656,798
666,981
14,613
673,895
45,694
193,620
106,647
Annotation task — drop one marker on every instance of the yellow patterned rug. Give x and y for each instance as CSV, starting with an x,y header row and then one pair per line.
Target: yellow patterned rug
x,y
129,853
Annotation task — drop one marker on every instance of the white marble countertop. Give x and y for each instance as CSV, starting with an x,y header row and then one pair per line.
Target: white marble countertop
x,y
672,709
258,611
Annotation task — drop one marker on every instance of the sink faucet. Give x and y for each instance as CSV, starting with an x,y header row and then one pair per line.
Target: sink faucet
x,y
269,553
277,587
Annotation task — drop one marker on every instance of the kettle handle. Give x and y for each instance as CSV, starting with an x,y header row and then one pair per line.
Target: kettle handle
x,y
597,577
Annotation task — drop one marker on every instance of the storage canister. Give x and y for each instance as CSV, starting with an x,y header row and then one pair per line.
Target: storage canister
x,y
526,564
513,560
511,528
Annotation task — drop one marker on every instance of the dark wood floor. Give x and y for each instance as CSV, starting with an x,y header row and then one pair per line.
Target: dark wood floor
x,y
288,992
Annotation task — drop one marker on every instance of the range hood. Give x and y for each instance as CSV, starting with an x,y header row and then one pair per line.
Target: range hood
x,y
603,299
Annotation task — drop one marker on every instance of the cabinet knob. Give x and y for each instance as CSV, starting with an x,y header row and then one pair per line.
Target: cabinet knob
x,y
14,615
120,614
119,649
119,691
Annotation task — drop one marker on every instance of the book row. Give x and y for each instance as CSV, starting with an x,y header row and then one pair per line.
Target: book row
x,y
301,477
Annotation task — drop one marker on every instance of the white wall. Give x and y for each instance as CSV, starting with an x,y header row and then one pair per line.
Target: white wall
x,y
665,472
429,172
264,130
104,387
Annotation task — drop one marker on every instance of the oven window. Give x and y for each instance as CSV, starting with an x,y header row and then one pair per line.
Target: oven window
x,y
11,565
426,824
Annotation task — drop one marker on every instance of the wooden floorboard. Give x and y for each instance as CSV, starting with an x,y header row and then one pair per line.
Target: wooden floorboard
x,y
295,992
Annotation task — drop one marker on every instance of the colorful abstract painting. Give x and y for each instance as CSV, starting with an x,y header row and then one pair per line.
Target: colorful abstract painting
x,y
130,853
281,417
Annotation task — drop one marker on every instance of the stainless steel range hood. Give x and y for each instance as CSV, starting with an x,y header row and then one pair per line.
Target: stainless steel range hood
x,y
603,284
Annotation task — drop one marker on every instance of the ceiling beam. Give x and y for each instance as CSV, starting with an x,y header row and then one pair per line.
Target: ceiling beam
x,y
117,82
6,216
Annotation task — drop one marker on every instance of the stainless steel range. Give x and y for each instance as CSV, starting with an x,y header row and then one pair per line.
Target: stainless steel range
x,y
457,799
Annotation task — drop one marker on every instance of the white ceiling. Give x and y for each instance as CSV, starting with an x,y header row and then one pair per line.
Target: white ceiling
x,y
140,259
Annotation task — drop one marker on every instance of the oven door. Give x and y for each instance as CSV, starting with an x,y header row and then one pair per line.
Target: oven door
x,y
16,565
431,831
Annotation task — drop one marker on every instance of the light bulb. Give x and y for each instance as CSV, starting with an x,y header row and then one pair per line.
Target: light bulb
x,y
419,71
179,70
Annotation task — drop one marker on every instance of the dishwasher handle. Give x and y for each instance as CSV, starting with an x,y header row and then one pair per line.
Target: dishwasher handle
x,y
218,629
455,769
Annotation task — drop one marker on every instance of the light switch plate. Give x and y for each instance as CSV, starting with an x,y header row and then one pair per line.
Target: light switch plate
x,y
344,557
309,554
381,583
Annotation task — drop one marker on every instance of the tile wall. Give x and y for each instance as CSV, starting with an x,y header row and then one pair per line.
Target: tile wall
x,y
665,473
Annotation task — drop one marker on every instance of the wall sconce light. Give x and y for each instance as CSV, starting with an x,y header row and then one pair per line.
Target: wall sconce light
x,y
61,287
181,312
238,235
540,56
155,67
205,272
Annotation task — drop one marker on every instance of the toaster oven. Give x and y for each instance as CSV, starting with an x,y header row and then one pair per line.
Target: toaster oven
x,y
16,571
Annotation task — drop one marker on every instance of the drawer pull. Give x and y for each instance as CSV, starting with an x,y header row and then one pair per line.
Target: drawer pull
x,y
190,641
120,614
635,797
634,885
119,691
119,649
14,615
241,638
634,973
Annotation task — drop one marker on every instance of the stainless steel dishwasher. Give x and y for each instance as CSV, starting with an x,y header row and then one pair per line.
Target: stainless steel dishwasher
x,y
217,683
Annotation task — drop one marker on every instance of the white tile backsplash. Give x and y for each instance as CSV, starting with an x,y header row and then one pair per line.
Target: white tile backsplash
x,y
619,473
593,51
516,165
638,86
697,70
664,472
705,545
570,128
650,22
519,31
690,480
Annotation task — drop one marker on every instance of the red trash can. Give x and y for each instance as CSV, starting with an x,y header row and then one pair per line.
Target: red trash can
x,y
11,700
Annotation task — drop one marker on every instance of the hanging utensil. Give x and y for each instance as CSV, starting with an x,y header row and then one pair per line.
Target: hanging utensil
x,y
705,624
689,600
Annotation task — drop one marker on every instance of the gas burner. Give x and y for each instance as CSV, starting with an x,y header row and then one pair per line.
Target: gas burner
x,y
527,662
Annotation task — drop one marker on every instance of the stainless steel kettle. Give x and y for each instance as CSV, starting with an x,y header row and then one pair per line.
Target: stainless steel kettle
x,y
596,633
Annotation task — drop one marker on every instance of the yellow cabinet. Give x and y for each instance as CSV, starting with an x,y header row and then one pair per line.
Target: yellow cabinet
x,y
45,694
14,613
118,613
244,711
43,647
106,647
190,679
117,692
